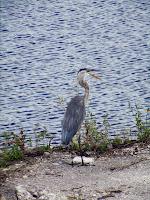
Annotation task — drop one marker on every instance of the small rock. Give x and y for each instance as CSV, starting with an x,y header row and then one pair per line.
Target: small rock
x,y
110,146
49,196
23,194
56,164
33,192
106,195
86,160
48,172
25,176
2,197
47,154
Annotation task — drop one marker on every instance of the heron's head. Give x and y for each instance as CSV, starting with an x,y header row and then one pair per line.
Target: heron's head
x,y
85,71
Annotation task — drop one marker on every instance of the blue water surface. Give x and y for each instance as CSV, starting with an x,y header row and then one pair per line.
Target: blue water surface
x,y
43,45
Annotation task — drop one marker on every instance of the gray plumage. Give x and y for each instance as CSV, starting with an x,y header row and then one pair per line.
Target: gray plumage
x,y
73,118
75,112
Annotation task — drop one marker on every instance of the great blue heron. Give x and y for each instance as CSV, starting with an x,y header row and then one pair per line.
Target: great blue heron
x,y
75,112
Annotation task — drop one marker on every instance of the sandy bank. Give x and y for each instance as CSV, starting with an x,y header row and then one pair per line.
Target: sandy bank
x,y
121,174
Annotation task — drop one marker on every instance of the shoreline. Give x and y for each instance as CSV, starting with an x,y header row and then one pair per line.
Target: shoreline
x,y
117,174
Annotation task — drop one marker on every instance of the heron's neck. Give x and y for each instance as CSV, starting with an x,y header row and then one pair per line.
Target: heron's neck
x,y
85,85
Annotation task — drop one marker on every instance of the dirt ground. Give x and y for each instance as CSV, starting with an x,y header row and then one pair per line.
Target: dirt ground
x,y
121,174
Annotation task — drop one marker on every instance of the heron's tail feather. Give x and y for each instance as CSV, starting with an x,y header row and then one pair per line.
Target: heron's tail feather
x,y
66,138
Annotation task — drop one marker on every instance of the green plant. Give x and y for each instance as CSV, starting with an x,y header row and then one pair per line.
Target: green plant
x,y
117,141
127,141
96,140
102,147
143,125
29,142
11,139
7,155
14,153
43,148
75,144
144,136
106,124
41,137
13,147
7,137
92,139
3,163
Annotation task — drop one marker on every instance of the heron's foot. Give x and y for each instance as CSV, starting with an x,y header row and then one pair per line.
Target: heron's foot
x,y
82,161
72,163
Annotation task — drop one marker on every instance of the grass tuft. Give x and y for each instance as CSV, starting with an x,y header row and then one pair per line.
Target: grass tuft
x,y
142,125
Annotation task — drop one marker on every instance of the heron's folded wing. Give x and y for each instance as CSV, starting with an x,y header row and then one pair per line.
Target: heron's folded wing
x,y
73,119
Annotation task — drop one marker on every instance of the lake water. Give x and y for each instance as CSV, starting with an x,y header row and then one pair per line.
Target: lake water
x,y
43,45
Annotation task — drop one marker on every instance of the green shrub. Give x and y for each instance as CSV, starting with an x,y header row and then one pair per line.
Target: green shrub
x,y
143,125
3,163
75,144
144,135
92,139
101,148
12,154
43,148
117,141
127,141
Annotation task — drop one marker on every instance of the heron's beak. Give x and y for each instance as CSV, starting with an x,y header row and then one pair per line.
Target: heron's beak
x,y
94,75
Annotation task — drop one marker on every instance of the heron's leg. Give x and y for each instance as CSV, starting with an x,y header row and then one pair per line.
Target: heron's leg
x,y
71,154
80,149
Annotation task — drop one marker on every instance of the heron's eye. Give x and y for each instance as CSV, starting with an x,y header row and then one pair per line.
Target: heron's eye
x,y
90,70
82,70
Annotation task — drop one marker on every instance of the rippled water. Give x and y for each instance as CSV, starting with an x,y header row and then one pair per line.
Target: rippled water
x,y
44,43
